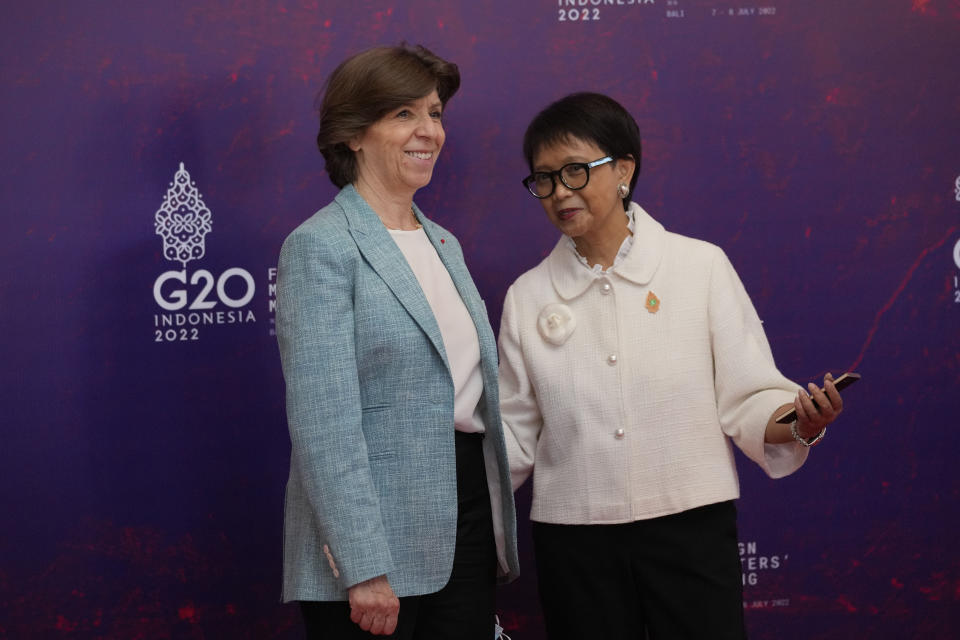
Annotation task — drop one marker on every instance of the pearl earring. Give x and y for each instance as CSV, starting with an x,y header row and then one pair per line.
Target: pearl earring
x,y
623,190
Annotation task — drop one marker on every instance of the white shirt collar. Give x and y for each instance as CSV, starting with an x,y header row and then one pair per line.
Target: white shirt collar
x,y
643,252
621,253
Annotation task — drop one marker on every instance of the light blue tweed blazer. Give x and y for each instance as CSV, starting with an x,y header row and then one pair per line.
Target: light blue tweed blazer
x,y
372,487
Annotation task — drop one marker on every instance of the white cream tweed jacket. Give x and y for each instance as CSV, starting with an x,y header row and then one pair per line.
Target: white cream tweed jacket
x,y
622,391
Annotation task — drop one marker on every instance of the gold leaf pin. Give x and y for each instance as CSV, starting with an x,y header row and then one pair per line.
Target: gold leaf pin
x,y
653,302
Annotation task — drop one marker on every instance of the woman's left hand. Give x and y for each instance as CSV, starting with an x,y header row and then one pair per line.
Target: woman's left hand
x,y
814,418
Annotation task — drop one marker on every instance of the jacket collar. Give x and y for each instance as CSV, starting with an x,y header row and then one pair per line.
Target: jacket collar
x,y
382,254
363,219
360,217
570,278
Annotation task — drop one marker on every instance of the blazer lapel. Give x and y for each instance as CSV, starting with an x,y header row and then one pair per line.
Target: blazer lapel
x,y
467,289
382,254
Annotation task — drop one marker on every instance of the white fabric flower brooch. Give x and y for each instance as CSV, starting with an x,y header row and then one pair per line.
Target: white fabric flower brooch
x,y
556,323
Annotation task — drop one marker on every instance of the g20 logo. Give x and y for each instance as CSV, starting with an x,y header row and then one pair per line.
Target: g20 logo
x,y
191,300
202,283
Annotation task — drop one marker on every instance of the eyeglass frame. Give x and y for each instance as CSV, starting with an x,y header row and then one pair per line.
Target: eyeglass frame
x,y
559,174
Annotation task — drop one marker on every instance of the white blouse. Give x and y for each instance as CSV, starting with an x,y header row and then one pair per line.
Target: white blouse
x,y
622,390
456,326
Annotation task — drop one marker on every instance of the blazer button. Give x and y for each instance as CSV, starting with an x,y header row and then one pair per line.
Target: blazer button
x,y
612,359
618,434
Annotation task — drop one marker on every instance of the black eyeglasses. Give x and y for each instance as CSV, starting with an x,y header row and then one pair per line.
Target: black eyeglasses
x,y
575,175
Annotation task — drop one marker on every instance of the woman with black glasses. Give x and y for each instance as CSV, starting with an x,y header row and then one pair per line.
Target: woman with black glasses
x,y
630,359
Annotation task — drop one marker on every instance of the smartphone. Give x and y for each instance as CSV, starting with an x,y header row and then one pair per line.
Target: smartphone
x,y
840,383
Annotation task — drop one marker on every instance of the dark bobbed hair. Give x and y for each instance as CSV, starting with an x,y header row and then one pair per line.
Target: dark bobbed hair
x,y
367,86
590,117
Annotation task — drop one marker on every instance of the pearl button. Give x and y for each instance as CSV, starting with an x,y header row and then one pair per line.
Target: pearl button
x,y
606,288
618,434
612,359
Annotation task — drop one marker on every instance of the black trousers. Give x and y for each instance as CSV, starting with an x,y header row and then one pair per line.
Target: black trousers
x,y
464,608
670,578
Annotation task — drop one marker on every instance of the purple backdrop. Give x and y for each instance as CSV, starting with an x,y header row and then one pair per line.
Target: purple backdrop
x,y
144,448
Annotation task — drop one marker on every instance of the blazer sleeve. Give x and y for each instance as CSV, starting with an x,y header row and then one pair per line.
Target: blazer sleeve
x,y
315,331
518,402
748,385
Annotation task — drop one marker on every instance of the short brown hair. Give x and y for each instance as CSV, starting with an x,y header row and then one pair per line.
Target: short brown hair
x,y
368,85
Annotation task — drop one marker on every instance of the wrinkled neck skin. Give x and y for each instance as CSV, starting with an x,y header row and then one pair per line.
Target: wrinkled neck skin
x,y
600,246
393,208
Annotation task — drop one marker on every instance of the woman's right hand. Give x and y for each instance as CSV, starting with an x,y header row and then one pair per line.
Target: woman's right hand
x,y
374,606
